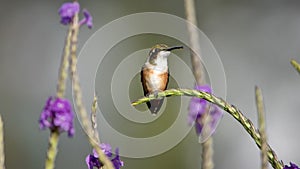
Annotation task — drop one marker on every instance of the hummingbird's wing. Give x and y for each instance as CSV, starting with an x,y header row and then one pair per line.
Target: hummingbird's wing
x,y
144,83
167,79
143,80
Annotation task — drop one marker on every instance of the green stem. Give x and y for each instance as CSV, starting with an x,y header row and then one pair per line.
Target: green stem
x,y
296,65
232,110
52,150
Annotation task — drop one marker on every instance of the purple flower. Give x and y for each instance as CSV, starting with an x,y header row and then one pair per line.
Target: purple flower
x,y
117,162
93,161
88,19
292,166
198,107
106,148
67,12
216,115
57,115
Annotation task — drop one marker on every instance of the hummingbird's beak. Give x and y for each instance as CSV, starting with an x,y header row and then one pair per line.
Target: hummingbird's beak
x,y
174,47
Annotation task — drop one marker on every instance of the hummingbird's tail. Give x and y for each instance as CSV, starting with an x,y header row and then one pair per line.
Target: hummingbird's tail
x,y
154,105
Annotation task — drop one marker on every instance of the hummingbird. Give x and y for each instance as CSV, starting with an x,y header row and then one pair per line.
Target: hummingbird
x,y
155,74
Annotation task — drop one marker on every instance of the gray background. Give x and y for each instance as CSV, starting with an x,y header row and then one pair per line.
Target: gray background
x,y
255,40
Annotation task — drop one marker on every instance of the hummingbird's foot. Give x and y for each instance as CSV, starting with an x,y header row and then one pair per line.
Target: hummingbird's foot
x,y
155,93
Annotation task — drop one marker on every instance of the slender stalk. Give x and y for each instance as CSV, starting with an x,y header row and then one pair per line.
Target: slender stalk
x,y
207,146
2,155
78,97
64,66
207,154
262,127
94,119
194,42
232,110
296,65
52,149
60,92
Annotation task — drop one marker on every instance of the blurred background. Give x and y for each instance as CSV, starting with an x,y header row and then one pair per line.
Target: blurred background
x,y
255,41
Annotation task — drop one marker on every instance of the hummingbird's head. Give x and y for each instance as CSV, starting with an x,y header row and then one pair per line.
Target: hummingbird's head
x,y
160,52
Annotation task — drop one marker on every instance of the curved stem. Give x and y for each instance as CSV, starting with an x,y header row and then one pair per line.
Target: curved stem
x,y
232,110
296,65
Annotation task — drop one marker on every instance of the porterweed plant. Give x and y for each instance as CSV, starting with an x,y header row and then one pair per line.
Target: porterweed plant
x,y
57,114
203,111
